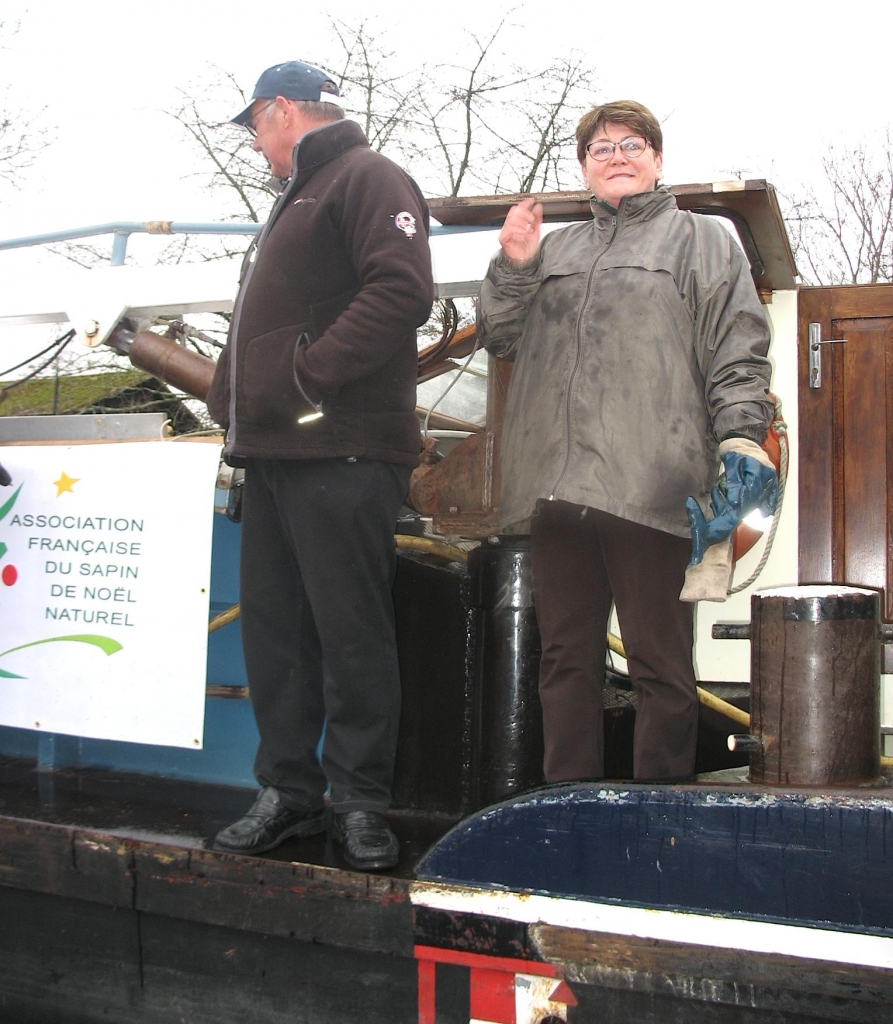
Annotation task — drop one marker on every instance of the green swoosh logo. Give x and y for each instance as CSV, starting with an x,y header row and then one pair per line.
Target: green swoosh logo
x,y
104,643
4,509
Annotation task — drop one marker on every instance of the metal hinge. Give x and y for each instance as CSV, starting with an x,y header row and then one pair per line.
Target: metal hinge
x,y
815,353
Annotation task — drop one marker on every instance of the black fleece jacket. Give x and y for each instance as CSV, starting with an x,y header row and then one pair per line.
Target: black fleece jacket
x,y
327,311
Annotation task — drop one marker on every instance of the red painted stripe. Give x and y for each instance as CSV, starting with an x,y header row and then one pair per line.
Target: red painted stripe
x,y
499,963
427,1008
492,995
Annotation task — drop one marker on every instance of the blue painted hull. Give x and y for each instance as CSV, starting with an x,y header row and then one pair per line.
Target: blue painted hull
x,y
782,856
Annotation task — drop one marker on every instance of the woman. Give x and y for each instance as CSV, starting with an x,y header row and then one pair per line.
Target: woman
x,y
640,347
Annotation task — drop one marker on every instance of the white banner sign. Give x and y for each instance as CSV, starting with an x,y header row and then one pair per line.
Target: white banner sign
x,y
105,560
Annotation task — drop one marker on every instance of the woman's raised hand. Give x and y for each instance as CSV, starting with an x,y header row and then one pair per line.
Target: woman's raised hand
x,y
520,235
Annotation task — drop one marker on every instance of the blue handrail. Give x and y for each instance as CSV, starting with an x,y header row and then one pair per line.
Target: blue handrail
x,y
122,230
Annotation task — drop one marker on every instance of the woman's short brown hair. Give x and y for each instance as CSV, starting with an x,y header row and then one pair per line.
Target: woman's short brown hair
x,y
625,112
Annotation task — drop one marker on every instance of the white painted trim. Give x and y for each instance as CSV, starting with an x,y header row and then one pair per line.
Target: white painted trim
x,y
667,925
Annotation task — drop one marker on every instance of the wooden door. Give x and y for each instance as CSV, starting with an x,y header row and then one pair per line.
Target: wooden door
x,y
845,432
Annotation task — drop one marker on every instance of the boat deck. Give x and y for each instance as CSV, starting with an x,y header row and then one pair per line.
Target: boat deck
x,y
178,812
114,909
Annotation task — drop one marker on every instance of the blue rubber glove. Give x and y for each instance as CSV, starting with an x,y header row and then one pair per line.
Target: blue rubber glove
x,y
747,484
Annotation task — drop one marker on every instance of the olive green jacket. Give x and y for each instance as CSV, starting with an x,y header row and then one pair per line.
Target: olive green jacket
x,y
639,343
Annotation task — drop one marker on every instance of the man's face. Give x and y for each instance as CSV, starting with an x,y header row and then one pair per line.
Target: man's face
x,y
618,176
274,134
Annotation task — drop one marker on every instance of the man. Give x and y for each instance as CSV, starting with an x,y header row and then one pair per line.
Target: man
x,y
316,390
640,362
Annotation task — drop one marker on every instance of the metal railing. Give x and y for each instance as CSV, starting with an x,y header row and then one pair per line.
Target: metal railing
x,y
122,230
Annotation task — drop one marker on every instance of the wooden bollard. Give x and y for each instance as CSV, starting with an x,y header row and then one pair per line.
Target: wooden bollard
x,y
815,686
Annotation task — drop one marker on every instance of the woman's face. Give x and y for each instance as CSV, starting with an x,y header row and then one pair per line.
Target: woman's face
x,y
621,175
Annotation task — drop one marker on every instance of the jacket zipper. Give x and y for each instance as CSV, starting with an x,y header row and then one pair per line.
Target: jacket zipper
x,y
234,333
579,356
243,287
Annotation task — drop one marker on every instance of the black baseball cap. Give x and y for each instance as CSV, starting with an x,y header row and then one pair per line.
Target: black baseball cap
x,y
294,80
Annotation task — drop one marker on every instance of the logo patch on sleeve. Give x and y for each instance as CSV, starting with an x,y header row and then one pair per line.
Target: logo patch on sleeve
x,y
405,222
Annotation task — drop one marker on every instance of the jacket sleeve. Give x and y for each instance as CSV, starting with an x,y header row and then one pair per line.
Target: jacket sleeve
x,y
506,295
383,221
732,342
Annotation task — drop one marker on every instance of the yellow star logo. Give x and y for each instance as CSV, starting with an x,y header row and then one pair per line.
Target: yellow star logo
x,y
65,483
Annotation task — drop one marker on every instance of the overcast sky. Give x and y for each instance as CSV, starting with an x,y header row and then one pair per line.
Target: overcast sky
x,y
757,88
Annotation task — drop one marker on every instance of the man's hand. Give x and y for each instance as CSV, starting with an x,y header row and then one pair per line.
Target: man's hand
x,y
520,235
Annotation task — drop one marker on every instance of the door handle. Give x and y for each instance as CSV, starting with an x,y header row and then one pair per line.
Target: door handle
x,y
815,353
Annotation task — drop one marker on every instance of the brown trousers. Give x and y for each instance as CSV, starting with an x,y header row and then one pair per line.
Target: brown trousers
x,y
583,560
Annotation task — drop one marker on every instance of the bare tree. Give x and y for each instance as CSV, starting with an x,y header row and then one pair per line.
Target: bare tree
x,y
383,104
21,138
547,149
489,126
451,122
842,231
480,125
229,166
16,147
235,172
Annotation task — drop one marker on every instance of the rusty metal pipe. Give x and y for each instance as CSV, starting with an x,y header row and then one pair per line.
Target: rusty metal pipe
x,y
163,357
731,631
745,743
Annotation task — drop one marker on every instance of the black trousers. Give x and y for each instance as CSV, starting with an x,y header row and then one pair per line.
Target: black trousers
x,y
317,567
583,560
